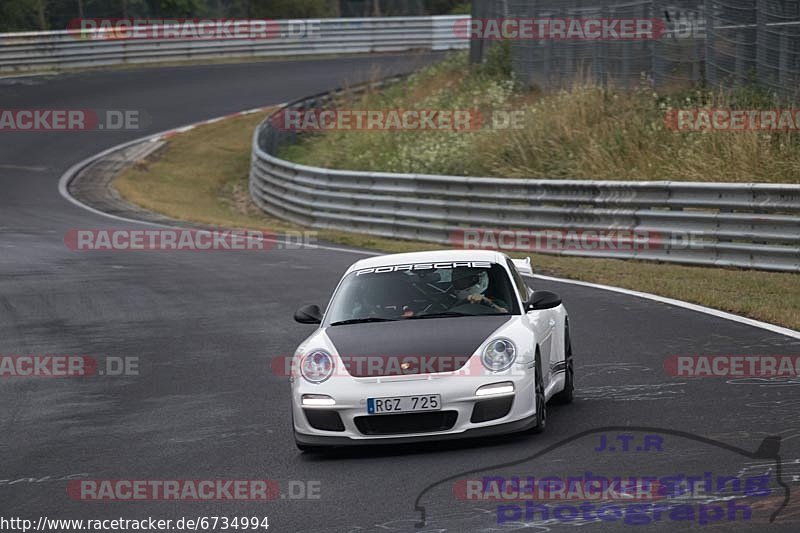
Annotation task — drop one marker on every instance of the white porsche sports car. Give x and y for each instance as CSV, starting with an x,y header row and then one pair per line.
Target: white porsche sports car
x,y
430,346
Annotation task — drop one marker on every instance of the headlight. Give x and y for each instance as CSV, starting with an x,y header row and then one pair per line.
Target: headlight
x,y
499,355
317,366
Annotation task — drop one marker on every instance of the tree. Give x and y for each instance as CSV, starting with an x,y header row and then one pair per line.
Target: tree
x,y
26,15
19,15
40,10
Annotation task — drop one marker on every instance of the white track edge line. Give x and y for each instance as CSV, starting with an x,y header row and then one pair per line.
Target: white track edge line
x,y
69,175
680,303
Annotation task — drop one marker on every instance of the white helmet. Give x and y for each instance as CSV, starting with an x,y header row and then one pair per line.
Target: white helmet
x,y
468,281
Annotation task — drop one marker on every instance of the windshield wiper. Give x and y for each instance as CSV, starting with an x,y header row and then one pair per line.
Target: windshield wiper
x,y
362,321
443,314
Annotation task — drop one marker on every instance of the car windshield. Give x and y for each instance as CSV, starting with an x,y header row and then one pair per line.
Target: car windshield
x,y
420,291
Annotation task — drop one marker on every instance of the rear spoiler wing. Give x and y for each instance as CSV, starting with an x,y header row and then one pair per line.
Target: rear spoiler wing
x,y
523,266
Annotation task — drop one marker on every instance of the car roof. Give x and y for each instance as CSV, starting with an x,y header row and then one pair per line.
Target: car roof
x,y
437,256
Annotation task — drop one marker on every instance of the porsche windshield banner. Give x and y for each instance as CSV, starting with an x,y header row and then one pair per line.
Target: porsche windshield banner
x,y
424,266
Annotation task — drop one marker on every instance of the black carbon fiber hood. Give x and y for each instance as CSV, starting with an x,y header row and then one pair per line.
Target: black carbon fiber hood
x,y
425,346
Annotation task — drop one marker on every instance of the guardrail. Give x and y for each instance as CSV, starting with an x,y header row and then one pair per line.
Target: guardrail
x,y
721,224
66,49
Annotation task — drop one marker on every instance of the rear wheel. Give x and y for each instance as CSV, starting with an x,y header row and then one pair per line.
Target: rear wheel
x,y
568,394
541,402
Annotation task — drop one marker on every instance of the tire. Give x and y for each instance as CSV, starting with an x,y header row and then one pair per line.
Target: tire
x,y
541,402
568,394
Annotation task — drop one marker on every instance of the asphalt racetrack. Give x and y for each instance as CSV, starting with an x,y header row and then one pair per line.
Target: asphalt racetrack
x,y
205,327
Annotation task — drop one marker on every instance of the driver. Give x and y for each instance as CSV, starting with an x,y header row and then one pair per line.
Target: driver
x,y
375,298
470,285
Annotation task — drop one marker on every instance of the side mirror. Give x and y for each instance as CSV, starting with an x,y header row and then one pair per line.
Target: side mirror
x,y
543,300
308,314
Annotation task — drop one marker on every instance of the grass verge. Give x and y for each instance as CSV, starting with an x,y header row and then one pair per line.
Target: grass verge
x,y
586,132
201,176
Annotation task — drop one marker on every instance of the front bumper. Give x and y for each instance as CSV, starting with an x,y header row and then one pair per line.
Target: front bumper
x,y
485,431
458,395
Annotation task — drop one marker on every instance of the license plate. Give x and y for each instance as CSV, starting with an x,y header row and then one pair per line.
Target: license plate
x,y
404,404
